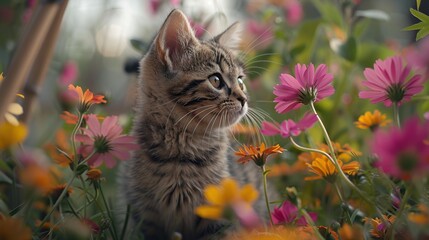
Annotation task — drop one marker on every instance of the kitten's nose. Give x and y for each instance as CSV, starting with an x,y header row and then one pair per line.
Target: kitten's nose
x,y
242,100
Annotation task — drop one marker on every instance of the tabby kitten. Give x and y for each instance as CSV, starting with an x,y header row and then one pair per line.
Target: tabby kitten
x,y
190,93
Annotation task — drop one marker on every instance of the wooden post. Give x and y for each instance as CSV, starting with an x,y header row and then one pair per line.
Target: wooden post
x,y
41,66
26,54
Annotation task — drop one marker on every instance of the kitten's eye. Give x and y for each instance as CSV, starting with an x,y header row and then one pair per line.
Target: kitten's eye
x,y
216,80
240,82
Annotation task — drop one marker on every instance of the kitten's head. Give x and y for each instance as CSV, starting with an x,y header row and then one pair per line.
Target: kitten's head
x,y
202,81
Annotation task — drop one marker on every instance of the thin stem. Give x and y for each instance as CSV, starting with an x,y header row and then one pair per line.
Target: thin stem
x,y
124,228
396,114
60,198
73,135
339,170
86,196
404,201
264,178
109,214
304,149
311,222
325,133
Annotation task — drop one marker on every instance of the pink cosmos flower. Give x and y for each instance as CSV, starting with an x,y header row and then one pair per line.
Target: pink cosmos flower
x,y
293,11
107,140
288,127
403,153
308,86
287,213
387,82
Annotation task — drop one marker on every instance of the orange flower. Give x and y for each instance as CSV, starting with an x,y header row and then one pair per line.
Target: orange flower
x,y
86,99
94,174
13,229
324,168
69,118
56,191
61,141
348,232
244,129
257,154
421,217
38,177
380,227
372,120
274,233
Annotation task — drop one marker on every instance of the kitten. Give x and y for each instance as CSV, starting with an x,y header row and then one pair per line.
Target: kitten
x,y
190,93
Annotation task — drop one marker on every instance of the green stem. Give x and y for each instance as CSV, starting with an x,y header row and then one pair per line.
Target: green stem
x,y
404,201
325,133
86,196
264,178
60,198
124,228
73,135
334,158
396,114
311,222
109,214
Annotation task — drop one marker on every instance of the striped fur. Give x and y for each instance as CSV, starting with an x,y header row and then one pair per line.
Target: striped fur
x,y
182,124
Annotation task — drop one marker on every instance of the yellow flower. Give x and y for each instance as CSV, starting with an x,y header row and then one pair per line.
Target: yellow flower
x,y
13,110
275,233
421,217
324,168
372,120
11,135
13,229
257,154
227,194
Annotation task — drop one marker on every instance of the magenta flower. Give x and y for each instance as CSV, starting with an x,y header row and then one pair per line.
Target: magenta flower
x,y
68,73
288,127
293,11
287,213
308,86
107,140
403,153
387,82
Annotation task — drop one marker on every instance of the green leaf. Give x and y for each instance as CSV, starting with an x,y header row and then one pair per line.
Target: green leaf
x,y
418,4
306,36
348,49
4,178
329,12
139,45
3,207
374,14
416,26
422,33
423,17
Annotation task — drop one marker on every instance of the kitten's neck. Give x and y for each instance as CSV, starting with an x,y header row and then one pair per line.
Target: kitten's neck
x,y
167,137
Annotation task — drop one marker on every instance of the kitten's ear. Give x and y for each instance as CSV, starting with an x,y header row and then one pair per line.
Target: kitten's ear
x,y
231,37
174,37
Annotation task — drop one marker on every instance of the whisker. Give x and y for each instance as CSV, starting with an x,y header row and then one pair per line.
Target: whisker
x,y
261,61
198,123
193,110
250,46
196,115
260,55
210,122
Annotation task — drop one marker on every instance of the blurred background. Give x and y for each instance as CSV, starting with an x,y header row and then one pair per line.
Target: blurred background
x,y
100,43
